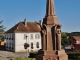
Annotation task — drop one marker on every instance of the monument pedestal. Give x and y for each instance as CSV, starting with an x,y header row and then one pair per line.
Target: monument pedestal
x,y
52,55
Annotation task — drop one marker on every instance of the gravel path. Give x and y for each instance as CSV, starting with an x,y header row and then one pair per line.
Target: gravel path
x,y
11,54
5,55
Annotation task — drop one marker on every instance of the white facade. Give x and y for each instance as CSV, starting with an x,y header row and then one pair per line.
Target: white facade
x,y
15,41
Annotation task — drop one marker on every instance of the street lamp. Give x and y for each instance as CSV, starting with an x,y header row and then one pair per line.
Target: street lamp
x,y
27,41
26,46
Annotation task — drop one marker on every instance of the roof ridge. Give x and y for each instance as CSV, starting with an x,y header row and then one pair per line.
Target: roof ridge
x,y
20,27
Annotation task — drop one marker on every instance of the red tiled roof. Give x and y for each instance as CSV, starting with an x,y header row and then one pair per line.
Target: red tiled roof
x,y
76,37
20,27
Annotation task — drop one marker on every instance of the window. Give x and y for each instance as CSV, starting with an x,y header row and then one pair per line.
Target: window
x,y
25,36
9,38
37,36
31,36
10,43
12,38
9,47
31,45
37,45
6,45
12,46
6,36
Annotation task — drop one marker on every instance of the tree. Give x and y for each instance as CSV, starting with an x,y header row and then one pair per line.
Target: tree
x,y
65,40
73,34
2,35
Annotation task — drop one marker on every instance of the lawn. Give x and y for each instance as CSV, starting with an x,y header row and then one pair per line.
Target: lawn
x,y
19,58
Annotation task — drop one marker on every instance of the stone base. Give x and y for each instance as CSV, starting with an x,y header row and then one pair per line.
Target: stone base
x,y
52,55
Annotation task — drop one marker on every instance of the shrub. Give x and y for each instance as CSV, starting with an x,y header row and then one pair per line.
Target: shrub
x,y
33,54
73,55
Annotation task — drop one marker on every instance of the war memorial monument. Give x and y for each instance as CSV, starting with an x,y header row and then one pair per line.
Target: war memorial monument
x,y
51,36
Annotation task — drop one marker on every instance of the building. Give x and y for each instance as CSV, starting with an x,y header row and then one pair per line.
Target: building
x,y
2,43
21,33
75,41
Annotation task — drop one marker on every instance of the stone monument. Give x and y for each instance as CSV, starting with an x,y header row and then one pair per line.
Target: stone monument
x,y
51,36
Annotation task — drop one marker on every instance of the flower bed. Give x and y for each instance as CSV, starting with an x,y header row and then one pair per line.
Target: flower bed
x,y
26,45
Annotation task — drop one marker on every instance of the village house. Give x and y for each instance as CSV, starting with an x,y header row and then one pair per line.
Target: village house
x,y
21,33
75,41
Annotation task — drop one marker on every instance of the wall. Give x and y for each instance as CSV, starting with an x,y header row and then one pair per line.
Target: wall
x,y
10,41
20,40
77,46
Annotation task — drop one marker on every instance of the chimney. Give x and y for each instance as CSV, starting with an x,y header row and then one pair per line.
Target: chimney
x,y
25,23
40,22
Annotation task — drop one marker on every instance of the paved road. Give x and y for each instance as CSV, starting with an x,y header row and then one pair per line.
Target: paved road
x,y
4,55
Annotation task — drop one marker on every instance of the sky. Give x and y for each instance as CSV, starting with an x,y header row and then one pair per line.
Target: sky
x,y
14,11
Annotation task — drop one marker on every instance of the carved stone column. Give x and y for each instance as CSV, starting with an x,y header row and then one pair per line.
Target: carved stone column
x,y
44,39
51,34
58,33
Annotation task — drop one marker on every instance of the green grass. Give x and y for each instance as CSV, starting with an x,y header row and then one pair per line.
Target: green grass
x,y
19,58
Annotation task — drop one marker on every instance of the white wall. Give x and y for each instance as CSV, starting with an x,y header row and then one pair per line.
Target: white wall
x,y
20,40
